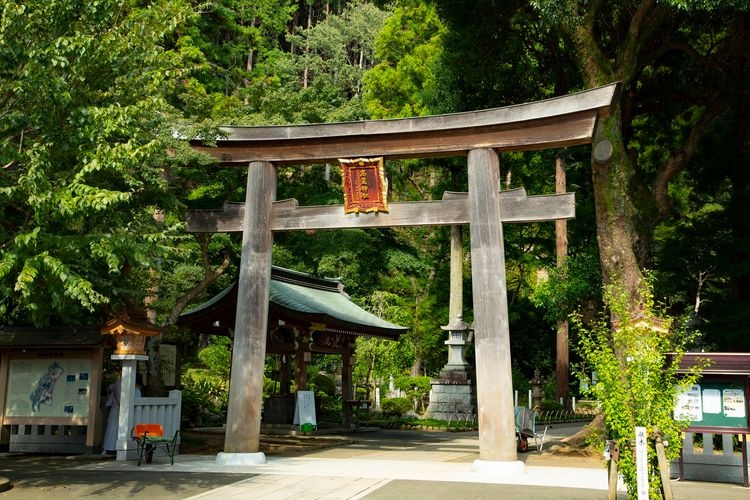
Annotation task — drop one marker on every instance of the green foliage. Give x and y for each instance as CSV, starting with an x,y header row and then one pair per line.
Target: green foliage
x,y
548,405
635,382
573,286
217,357
416,388
520,380
231,35
321,80
81,140
322,384
329,408
407,48
395,407
205,399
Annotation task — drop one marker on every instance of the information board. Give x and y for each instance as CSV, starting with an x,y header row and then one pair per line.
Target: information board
x,y
304,410
48,388
713,404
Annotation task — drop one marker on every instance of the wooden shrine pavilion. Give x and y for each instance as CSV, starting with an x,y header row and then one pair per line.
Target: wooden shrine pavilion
x,y
307,315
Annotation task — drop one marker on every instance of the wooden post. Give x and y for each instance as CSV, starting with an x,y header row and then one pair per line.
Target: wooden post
x,y
4,374
491,329
300,365
95,415
661,457
456,303
561,246
249,346
125,444
347,391
745,479
612,486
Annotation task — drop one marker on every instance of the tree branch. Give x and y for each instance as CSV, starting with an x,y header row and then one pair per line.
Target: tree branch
x,y
679,159
644,25
210,276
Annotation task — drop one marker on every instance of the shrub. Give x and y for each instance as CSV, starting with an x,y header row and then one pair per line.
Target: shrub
x,y
217,357
417,388
395,407
635,385
205,400
550,405
323,383
328,408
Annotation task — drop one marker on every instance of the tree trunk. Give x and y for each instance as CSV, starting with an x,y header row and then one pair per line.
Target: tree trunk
x,y
616,215
561,250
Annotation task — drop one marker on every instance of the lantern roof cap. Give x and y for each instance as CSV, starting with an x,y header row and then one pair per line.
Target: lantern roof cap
x,y
130,322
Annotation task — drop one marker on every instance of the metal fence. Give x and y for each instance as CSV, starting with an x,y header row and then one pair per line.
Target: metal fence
x,y
563,416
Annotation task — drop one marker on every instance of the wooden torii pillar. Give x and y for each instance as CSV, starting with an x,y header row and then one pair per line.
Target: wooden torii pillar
x,y
480,135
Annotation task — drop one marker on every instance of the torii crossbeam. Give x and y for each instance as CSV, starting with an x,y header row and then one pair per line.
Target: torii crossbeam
x,y
479,135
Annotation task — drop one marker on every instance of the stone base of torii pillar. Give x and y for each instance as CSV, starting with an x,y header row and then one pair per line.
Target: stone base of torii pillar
x,y
256,458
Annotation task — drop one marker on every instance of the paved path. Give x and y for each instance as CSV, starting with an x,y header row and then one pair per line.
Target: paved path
x,y
377,466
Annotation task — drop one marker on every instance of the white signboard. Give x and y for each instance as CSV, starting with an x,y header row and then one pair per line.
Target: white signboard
x,y
734,403
711,401
641,462
689,404
304,410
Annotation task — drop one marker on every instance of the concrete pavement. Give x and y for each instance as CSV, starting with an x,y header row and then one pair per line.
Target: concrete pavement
x,y
376,465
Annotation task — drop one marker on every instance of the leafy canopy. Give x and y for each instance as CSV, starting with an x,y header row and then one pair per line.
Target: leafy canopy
x,y
81,85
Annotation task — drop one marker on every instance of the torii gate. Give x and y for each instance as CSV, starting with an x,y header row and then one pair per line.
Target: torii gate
x,y
563,121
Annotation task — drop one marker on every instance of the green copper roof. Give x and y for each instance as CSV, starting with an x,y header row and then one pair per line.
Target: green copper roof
x,y
327,302
305,297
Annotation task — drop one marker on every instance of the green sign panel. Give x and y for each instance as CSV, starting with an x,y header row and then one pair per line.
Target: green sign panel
x,y
713,404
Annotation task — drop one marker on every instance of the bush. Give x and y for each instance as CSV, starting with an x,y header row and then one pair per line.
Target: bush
x,y
417,388
328,408
217,357
395,407
323,383
550,405
634,385
205,400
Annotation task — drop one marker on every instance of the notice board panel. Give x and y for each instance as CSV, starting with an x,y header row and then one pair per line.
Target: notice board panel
x,y
48,388
714,404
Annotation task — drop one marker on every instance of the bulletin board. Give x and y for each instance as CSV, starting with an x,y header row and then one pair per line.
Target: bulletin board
x,y
53,387
714,405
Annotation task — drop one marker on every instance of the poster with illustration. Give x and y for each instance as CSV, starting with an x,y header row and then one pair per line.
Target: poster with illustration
x,y
48,388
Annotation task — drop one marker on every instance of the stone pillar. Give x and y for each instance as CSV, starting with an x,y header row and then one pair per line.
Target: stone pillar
x,y
126,448
249,346
491,328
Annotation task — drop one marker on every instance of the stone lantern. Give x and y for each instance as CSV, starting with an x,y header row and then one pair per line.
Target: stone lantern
x,y
537,394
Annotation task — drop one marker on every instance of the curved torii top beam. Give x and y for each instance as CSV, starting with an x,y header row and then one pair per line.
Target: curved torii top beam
x,y
557,122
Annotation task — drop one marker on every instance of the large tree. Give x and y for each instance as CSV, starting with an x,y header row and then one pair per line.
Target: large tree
x,y
683,66
81,113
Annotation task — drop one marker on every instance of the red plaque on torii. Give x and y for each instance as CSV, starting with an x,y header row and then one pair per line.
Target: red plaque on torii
x,y
365,186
